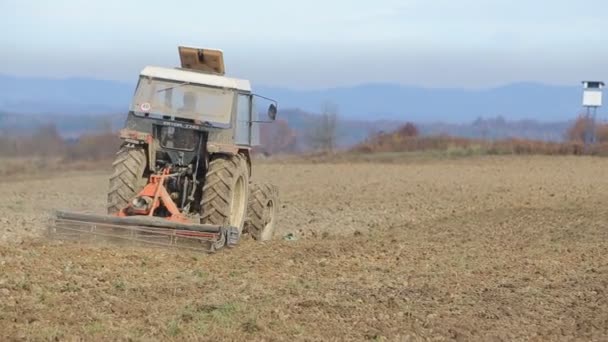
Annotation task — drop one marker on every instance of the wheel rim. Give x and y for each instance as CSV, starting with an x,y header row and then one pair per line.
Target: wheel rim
x,y
269,218
238,203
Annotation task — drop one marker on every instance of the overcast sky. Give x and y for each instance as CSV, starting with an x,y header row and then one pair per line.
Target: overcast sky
x,y
314,43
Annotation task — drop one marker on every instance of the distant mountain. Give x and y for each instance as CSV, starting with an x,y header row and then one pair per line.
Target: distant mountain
x,y
396,102
65,96
365,102
68,125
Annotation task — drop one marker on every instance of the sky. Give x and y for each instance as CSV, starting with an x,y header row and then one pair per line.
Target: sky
x,y
314,43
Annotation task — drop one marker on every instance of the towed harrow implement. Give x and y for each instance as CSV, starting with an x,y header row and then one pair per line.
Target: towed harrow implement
x,y
141,230
138,224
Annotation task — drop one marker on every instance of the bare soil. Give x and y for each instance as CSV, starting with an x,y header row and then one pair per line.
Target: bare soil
x,y
484,248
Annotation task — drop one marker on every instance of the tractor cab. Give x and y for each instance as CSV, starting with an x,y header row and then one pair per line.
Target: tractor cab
x,y
189,96
196,100
194,110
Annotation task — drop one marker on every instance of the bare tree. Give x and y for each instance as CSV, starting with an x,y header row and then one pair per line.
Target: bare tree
x,y
323,131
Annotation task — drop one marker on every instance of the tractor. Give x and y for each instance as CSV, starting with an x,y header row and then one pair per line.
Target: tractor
x,y
183,170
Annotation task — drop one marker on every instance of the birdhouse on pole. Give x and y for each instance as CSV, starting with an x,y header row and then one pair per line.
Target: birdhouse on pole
x,y
592,93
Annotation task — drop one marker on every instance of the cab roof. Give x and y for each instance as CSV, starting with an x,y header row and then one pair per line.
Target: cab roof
x,y
196,77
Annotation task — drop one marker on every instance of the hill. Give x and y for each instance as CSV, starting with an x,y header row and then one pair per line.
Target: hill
x,y
366,102
398,102
66,96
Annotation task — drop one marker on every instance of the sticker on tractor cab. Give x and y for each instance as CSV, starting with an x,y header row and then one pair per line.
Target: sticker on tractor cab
x,y
145,107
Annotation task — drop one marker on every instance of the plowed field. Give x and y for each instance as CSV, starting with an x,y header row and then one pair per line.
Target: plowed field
x,y
492,248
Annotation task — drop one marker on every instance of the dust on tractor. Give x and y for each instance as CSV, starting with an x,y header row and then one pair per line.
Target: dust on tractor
x,y
182,174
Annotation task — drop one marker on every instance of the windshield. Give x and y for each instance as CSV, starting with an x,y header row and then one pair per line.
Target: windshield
x,y
183,100
178,138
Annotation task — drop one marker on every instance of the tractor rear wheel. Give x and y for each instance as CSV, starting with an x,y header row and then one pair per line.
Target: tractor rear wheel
x,y
262,211
128,177
225,192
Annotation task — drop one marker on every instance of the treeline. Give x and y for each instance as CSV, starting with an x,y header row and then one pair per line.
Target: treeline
x,y
408,139
280,138
46,142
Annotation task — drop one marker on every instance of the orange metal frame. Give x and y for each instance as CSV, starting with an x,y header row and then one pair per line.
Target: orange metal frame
x,y
156,190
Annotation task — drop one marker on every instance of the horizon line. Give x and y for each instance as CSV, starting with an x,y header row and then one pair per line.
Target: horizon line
x,y
317,88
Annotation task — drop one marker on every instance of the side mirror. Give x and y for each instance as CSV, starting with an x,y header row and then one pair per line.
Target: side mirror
x,y
272,111
272,108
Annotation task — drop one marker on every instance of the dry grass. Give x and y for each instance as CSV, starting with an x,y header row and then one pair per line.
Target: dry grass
x,y
488,248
